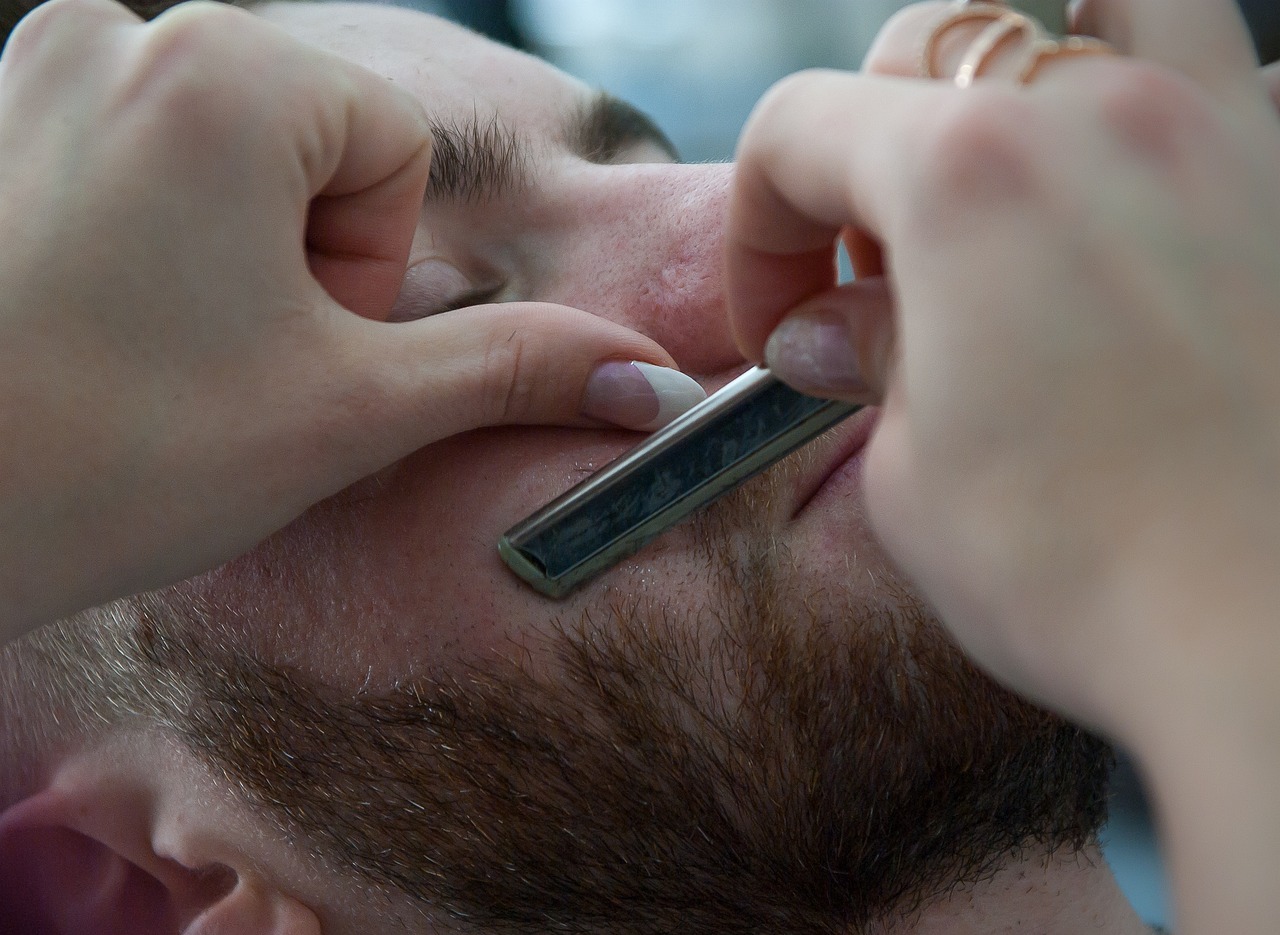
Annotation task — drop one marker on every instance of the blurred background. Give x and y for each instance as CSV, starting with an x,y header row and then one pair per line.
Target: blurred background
x,y
697,67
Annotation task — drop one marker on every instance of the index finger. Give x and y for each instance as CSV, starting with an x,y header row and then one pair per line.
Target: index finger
x,y
821,152
1206,40
342,150
371,181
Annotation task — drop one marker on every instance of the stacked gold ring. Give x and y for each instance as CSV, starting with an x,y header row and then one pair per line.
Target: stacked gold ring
x,y
1003,25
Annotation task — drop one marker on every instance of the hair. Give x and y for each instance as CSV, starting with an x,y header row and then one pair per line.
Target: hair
x,y
763,758
775,776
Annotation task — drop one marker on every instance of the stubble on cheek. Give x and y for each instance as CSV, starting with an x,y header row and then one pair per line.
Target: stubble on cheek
x,y
760,758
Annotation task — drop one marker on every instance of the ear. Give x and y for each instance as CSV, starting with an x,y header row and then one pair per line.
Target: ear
x,y
100,852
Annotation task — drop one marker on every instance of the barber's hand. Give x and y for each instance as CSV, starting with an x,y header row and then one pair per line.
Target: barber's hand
x,y
1074,340
201,221
1069,310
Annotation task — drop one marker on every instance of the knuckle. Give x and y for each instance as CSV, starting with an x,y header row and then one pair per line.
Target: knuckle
x,y
510,384
799,84
42,32
1153,112
785,95
769,133
189,41
980,148
188,79
175,41
198,27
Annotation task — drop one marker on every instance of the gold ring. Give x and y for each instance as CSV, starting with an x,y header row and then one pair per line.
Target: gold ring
x,y
1070,46
1002,22
1003,25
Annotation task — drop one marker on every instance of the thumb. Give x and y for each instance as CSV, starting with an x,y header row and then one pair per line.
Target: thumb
x,y
516,363
837,344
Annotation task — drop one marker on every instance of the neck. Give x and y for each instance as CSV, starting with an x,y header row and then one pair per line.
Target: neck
x,y
1062,894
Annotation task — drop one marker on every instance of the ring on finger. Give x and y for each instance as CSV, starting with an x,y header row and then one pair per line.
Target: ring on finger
x,y
1046,48
1003,25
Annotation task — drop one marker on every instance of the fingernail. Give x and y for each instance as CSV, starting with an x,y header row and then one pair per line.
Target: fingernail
x,y
815,354
639,396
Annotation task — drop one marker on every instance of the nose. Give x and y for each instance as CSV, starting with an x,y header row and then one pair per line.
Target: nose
x,y
643,245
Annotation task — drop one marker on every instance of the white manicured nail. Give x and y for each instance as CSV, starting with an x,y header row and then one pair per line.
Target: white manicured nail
x,y
639,396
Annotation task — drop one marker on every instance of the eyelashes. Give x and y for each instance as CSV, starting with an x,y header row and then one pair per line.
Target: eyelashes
x,y
434,287
481,296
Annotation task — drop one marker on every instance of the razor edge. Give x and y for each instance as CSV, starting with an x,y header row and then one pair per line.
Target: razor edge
x,y
714,448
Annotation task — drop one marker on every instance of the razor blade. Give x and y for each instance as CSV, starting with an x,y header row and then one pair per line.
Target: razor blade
x,y
712,449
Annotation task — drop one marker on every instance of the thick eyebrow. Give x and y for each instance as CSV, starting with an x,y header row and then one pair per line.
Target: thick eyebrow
x,y
607,126
475,160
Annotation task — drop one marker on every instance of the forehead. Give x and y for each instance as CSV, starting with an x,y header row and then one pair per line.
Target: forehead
x,y
454,72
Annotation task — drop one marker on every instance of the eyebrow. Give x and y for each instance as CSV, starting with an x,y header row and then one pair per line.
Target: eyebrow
x,y
607,126
474,160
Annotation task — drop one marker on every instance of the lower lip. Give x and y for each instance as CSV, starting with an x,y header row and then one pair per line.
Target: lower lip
x,y
845,470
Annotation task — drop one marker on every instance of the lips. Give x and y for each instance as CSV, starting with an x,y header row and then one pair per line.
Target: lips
x,y
834,450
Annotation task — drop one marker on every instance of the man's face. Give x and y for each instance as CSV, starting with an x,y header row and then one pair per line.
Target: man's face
x,y
631,237
747,724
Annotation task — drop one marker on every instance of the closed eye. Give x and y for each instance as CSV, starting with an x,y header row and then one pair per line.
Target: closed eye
x,y
481,296
435,286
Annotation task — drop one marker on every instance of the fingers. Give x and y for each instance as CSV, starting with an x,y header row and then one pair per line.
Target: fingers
x,y
936,35
369,168
1207,40
56,50
332,142
61,30
358,244
790,201
838,344
900,43
519,363
797,185
326,129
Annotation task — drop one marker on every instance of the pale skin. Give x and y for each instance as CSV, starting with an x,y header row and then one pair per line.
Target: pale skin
x,y
1073,343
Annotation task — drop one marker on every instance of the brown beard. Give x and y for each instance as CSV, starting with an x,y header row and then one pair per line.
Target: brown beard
x,y
741,769
769,761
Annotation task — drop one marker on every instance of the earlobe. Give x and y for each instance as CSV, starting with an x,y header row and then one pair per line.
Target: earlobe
x,y
78,859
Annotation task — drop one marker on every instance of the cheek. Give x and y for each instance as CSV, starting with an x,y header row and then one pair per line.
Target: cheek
x,y
679,303
400,575
643,246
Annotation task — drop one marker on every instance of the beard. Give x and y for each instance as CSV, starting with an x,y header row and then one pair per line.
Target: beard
x,y
772,760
